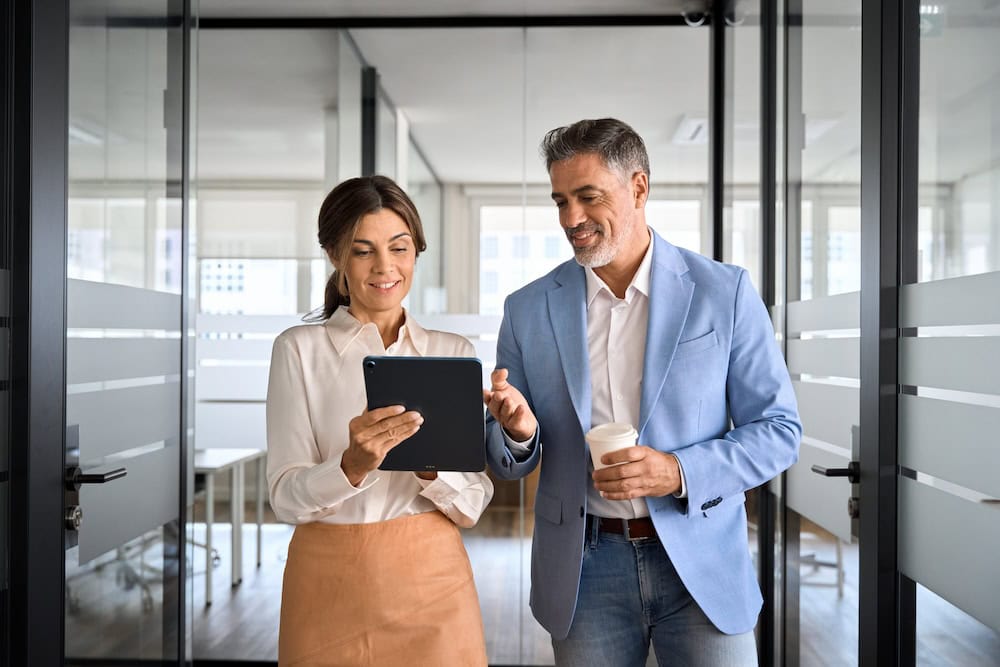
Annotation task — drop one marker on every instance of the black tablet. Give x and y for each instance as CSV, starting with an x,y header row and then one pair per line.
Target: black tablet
x,y
448,393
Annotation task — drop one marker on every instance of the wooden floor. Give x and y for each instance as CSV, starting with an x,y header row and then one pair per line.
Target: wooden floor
x,y
108,616
946,636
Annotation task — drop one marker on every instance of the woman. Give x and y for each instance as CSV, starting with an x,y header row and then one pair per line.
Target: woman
x,y
376,571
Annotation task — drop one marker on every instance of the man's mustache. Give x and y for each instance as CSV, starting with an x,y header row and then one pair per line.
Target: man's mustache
x,y
582,227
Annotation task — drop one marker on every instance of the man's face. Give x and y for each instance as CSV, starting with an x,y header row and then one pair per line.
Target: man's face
x,y
599,210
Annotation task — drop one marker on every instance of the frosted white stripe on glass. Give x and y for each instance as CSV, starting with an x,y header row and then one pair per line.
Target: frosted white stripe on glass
x,y
965,363
828,411
98,359
838,357
91,305
953,441
120,419
841,311
235,348
950,546
152,487
954,301
246,323
822,499
231,425
241,383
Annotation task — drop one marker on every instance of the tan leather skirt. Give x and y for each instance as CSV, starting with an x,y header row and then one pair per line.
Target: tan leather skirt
x,y
396,592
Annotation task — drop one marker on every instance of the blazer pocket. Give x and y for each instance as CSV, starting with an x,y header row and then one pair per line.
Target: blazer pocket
x,y
547,507
695,345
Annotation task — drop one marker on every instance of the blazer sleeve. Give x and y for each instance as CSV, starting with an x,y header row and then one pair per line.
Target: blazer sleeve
x,y
460,496
766,429
501,459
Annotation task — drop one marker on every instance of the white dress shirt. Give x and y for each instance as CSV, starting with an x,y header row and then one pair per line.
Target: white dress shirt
x,y
316,386
616,342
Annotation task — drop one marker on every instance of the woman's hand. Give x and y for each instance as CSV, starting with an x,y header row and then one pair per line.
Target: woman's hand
x,y
372,434
508,406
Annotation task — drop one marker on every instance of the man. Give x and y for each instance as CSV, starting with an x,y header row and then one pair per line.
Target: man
x,y
638,331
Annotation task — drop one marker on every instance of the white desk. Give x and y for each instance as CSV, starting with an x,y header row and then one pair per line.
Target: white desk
x,y
210,462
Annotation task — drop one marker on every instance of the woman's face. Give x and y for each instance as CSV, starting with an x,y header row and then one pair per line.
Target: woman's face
x,y
380,264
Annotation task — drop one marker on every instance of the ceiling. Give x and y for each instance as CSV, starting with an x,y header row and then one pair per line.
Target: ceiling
x,y
479,99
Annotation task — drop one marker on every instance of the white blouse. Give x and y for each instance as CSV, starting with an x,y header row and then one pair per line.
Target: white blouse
x,y
315,388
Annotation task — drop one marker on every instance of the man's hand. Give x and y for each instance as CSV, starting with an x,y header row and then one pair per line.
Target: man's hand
x,y
643,472
507,405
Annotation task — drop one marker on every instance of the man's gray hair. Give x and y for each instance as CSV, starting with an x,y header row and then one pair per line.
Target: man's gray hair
x,y
618,145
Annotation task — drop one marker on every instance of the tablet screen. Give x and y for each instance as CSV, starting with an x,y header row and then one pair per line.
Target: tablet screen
x,y
448,393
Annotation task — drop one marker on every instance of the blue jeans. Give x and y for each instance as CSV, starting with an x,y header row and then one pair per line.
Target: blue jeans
x,y
630,595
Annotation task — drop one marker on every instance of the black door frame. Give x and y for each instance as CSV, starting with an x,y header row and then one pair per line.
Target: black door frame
x,y
38,72
36,118
889,119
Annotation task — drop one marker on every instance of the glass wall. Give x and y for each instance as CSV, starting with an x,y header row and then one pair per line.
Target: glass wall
x,y
948,489
823,264
123,337
741,212
461,134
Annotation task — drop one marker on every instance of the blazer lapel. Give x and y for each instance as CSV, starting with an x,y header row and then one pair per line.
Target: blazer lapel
x,y
568,315
670,298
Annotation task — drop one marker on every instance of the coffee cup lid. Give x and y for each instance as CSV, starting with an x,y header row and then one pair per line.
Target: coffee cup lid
x,y
614,430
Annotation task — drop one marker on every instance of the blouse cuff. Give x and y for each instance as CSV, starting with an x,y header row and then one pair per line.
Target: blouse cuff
x,y
444,490
328,485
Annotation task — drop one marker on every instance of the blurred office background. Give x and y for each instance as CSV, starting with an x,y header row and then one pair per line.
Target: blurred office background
x,y
203,135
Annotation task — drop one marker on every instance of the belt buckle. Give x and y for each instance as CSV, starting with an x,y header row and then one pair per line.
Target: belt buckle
x,y
625,531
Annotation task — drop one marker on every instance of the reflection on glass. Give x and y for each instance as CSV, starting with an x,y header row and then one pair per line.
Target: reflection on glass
x,y
429,294
823,227
124,262
946,635
385,137
958,221
959,161
830,156
828,597
741,207
348,71
123,592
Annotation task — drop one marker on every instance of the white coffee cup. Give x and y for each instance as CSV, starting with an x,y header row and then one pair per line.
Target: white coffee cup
x,y
609,438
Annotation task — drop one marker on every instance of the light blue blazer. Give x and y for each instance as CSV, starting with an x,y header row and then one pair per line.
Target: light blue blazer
x,y
715,392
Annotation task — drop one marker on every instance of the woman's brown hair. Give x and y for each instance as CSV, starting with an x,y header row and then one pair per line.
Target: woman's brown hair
x,y
340,215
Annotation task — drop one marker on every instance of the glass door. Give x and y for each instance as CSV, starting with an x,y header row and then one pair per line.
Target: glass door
x,y
124,576
822,327
949,399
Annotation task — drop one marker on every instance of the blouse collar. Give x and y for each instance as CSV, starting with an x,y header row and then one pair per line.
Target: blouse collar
x,y
343,329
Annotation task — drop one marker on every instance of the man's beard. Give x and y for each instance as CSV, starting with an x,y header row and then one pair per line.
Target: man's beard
x,y
597,255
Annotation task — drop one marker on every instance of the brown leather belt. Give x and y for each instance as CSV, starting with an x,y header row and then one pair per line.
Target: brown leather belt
x,y
633,529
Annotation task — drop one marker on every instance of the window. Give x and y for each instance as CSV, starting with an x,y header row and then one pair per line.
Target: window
x,y
489,247
489,282
521,246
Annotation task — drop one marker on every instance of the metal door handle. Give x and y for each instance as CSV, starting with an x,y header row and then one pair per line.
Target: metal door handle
x,y
852,472
75,477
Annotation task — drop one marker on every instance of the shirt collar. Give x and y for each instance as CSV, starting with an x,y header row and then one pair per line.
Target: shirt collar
x,y
343,329
640,281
